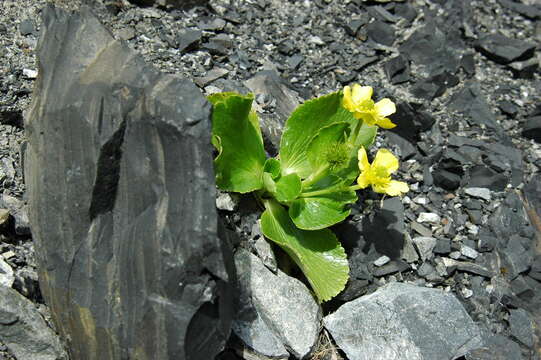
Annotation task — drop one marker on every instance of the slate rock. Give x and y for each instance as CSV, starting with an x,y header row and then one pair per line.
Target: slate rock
x,y
119,172
521,326
471,102
269,83
403,321
478,192
504,50
446,179
23,330
7,276
381,33
425,246
411,122
18,210
219,45
428,46
406,11
532,129
397,70
497,347
434,86
529,11
481,176
386,223
188,40
276,311
525,69
509,219
26,27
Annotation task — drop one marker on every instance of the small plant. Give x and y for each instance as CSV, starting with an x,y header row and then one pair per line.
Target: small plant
x,y
310,185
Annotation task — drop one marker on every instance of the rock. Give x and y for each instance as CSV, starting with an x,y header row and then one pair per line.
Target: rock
x,y
18,210
4,217
529,11
446,179
391,267
428,46
470,102
480,193
452,265
434,86
212,24
381,33
484,177
397,70
425,246
30,73
276,311
504,50
127,33
386,223
269,83
7,276
497,347
188,40
119,172
525,69
219,45
468,252
406,11
382,260
403,321
226,201
532,129
211,76
26,27
431,218
23,330
521,326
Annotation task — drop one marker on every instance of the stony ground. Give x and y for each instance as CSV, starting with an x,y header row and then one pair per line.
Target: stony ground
x,y
464,132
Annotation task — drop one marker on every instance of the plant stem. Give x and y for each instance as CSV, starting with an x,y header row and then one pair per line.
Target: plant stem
x,y
330,191
315,176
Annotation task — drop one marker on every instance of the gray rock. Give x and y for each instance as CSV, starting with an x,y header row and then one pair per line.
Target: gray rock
x,y
468,252
23,330
480,193
226,201
18,210
403,321
431,218
6,273
521,326
382,260
121,198
425,246
276,311
269,83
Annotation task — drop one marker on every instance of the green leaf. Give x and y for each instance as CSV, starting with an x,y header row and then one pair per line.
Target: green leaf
x,y
305,123
328,147
367,135
272,166
237,137
288,187
319,211
268,183
318,253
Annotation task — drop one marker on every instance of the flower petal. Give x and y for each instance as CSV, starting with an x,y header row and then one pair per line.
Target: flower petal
x,y
363,180
396,188
360,94
385,123
364,165
368,118
347,101
384,107
385,159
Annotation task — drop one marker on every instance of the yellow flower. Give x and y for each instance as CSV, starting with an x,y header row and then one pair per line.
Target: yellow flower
x,y
358,100
378,174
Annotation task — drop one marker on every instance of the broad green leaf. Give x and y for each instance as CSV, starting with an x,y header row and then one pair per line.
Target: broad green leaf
x,y
321,211
318,253
237,137
268,183
367,135
288,187
328,147
304,123
272,166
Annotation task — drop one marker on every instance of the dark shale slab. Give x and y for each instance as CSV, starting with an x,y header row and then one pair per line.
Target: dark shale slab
x,y
122,200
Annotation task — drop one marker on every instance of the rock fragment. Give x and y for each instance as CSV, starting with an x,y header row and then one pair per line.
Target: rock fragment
x,y
504,50
276,311
402,321
23,330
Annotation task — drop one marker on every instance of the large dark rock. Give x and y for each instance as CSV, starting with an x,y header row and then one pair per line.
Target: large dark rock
x,y
122,200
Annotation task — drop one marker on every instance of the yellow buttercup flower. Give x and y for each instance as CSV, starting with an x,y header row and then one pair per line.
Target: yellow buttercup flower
x,y
378,174
358,100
